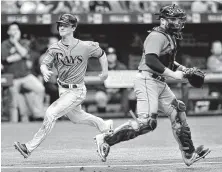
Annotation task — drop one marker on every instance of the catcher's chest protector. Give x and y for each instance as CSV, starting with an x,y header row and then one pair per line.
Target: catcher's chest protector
x,y
169,58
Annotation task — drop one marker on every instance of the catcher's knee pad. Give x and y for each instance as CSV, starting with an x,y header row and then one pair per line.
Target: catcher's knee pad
x,y
148,124
178,105
132,129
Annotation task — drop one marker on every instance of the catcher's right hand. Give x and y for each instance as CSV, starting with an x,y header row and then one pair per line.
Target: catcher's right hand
x,y
195,76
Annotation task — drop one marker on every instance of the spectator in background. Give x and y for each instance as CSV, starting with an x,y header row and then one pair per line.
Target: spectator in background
x,y
43,7
212,6
150,6
113,63
219,5
104,96
214,64
134,6
79,6
15,53
51,87
99,6
116,6
37,53
124,6
37,48
9,7
50,6
27,7
199,6
62,7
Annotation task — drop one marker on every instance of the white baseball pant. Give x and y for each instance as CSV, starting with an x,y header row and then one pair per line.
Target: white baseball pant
x,y
68,104
153,96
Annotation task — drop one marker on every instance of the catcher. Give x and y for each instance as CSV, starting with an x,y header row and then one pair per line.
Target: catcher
x,y
153,94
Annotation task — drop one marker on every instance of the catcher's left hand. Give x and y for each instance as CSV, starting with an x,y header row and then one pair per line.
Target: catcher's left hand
x,y
195,76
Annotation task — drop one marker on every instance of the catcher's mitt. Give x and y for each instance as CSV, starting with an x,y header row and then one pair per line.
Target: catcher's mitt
x,y
195,76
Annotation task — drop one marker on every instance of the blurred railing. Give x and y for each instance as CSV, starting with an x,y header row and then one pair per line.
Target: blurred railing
x,y
124,79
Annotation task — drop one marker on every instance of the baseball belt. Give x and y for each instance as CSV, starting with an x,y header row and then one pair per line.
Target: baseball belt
x,y
66,85
156,76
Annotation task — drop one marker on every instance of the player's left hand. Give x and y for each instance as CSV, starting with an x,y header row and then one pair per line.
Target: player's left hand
x,y
103,76
195,76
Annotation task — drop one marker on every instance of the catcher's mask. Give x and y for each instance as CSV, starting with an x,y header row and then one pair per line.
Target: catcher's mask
x,y
68,19
175,17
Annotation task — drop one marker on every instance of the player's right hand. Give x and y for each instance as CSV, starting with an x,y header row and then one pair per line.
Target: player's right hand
x,y
46,75
103,76
178,75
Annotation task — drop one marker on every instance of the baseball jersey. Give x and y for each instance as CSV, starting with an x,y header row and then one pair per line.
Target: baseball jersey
x,y
71,61
163,45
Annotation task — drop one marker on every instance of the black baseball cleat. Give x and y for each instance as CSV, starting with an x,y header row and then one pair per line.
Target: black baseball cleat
x,y
201,152
22,149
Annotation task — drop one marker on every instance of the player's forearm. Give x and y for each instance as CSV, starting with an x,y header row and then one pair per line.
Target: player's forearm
x,y
168,72
179,66
43,68
104,63
13,58
154,63
21,50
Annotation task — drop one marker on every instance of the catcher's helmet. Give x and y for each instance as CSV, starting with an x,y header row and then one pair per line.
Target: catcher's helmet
x,y
68,19
172,13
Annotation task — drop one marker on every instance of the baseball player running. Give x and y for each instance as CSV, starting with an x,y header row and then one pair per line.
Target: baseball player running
x,y
153,94
70,57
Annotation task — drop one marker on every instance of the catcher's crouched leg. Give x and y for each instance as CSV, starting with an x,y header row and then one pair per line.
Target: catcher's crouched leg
x,y
132,129
181,132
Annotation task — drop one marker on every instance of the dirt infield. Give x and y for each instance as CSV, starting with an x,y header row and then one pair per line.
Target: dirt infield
x,y
71,148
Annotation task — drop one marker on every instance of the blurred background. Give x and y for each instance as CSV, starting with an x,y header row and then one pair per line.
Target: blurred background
x,y
120,27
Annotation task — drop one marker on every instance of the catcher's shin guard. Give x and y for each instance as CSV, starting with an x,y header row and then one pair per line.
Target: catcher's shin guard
x,y
131,129
183,136
182,133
